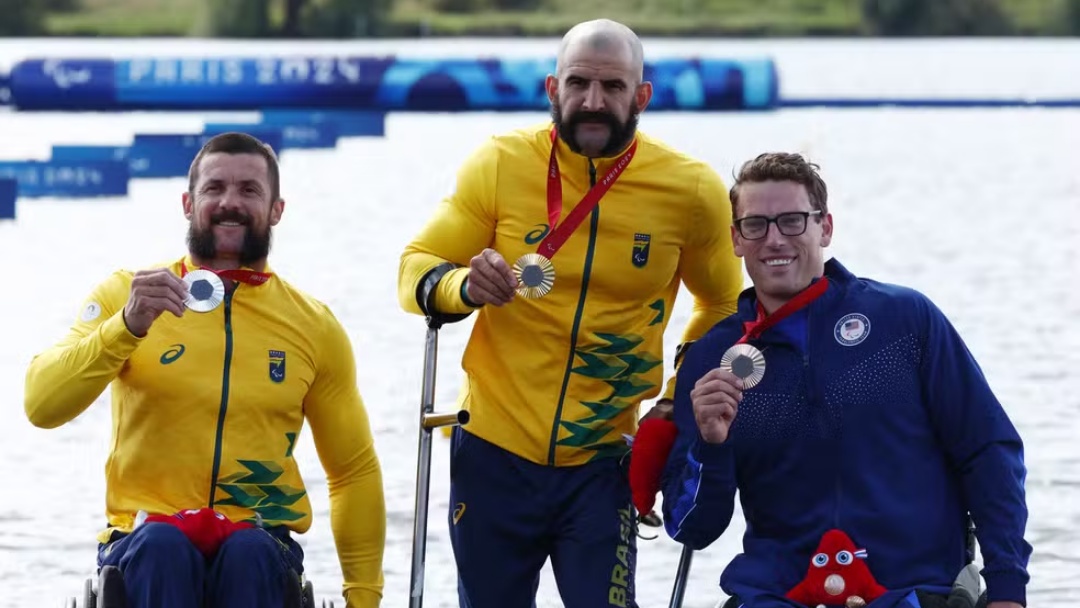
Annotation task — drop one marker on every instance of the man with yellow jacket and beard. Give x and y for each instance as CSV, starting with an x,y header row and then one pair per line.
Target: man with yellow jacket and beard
x,y
572,240
203,492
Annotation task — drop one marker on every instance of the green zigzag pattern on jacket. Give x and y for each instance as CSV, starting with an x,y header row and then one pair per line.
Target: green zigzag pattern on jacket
x,y
619,366
257,491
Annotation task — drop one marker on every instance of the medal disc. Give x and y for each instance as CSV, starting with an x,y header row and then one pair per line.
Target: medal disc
x,y
746,362
205,290
535,275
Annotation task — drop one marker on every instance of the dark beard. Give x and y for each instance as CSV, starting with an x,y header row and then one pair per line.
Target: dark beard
x,y
203,245
621,133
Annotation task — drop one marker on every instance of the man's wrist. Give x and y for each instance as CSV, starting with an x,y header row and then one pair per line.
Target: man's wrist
x,y
465,294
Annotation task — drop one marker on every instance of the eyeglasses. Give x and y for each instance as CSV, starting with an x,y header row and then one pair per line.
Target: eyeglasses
x,y
792,223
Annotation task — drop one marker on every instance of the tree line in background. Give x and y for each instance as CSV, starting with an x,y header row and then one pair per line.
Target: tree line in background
x,y
373,18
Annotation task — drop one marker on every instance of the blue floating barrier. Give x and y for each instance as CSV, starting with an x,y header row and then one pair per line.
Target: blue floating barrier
x,y
270,135
291,135
930,102
369,83
309,135
5,90
165,155
73,153
67,179
9,192
350,123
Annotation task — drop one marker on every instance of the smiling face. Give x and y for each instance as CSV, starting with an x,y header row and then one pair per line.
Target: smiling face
x,y
231,208
780,266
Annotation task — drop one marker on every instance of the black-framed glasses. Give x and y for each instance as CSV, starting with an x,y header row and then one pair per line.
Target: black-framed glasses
x,y
792,223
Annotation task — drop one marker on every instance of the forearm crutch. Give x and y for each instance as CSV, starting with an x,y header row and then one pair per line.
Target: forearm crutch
x,y
429,421
681,577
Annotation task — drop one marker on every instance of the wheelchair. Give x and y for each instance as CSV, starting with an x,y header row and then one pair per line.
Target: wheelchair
x,y
107,591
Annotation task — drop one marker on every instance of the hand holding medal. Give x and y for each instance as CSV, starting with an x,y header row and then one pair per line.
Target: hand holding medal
x,y
152,293
491,281
715,396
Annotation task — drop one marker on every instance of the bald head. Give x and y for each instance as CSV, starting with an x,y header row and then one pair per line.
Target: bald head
x,y
602,36
598,89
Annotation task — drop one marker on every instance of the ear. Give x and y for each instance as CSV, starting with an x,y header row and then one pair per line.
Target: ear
x,y
276,209
643,95
826,230
551,85
737,242
188,204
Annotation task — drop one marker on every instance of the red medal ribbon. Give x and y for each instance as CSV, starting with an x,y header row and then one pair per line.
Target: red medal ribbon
x,y
557,237
754,329
242,275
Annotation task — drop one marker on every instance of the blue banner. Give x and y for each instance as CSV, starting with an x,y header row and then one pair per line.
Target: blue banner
x,y
372,83
9,192
65,179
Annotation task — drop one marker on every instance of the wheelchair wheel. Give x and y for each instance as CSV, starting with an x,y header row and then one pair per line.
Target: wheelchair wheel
x,y
309,595
89,596
111,591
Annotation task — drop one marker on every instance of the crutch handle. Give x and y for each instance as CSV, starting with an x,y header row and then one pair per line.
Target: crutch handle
x,y
433,421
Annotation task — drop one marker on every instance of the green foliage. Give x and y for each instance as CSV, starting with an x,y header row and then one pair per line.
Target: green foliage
x,y
935,17
234,19
686,18
344,18
1072,16
60,6
21,18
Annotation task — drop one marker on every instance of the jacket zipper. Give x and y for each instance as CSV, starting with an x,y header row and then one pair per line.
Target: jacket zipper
x,y
593,224
224,407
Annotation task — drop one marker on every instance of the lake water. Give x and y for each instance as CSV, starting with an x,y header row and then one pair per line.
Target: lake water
x,y
977,208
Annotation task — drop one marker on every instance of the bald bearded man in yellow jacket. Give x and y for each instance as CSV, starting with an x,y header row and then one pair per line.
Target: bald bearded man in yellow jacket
x,y
604,224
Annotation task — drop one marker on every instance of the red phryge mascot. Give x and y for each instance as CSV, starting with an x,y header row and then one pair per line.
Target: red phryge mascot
x,y
648,455
837,575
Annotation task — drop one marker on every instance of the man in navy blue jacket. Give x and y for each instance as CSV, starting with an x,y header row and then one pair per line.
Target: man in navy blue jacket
x,y
872,417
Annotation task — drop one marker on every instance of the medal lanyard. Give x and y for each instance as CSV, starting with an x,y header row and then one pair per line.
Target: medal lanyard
x,y
558,236
753,329
243,275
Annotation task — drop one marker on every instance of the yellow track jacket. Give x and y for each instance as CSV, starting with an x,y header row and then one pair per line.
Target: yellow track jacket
x,y
558,380
206,409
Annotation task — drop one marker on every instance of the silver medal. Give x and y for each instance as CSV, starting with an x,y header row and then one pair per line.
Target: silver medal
x,y
746,362
205,290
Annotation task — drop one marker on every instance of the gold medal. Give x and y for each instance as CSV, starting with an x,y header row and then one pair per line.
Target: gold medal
x,y
535,275
205,290
746,362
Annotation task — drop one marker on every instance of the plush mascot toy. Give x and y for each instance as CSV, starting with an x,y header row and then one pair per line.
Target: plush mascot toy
x,y
648,456
838,575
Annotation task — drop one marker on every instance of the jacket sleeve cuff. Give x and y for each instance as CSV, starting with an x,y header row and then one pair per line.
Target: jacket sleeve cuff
x,y
116,338
702,451
449,293
1006,587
